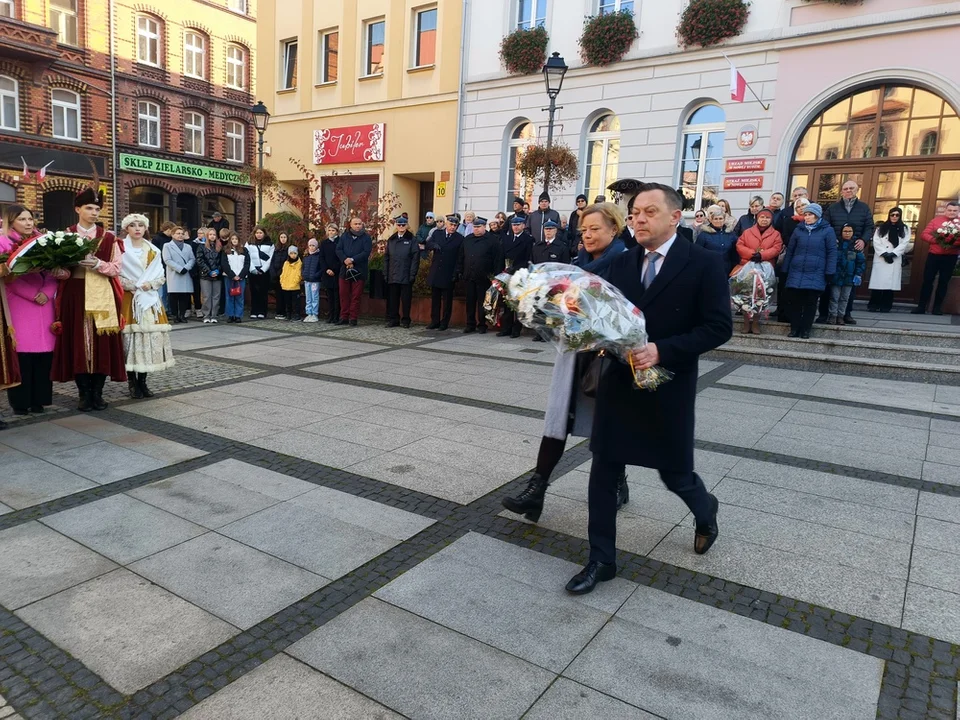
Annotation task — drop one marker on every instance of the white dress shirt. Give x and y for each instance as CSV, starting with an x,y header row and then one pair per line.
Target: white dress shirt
x,y
662,251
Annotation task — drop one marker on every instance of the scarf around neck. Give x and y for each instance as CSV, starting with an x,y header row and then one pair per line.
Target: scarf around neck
x,y
143,268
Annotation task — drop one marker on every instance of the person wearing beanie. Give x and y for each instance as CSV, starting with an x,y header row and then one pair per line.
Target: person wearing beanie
x,y
759,243
428,226
715,237
517,208
539,216
291,275
810,261
311,281
573,227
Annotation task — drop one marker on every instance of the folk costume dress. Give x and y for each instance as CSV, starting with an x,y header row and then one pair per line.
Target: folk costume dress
x,y
146,331
9,368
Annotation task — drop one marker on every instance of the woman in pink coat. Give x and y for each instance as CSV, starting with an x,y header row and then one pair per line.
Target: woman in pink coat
x,y
31,300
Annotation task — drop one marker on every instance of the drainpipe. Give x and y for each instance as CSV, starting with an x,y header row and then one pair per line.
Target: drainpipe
x,y
113,113
461,97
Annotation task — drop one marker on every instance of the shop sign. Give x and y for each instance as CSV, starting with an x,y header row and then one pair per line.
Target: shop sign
x,y
355,144
185,171
747,137
740,165
743,182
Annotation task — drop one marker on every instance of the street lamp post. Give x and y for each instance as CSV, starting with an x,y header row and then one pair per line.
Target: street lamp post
x,y
553,73
261,116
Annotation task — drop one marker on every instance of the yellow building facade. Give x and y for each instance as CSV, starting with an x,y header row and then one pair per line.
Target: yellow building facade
x,y
366,89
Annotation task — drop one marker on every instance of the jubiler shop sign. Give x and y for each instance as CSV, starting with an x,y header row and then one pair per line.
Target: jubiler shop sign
x,y
185,171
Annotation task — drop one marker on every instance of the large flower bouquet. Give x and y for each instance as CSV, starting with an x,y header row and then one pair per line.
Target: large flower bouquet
x,y
752,287
948,235
494,298
50,251
578,311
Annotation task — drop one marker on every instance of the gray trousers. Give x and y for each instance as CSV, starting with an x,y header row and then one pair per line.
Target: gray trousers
x,y
839,296
210,290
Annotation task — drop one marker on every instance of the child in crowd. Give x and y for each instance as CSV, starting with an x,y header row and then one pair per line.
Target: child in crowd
x,y
291,275
311,280
851,264
235,267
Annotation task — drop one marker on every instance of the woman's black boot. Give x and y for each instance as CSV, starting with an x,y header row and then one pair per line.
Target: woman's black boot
x,y
529,502
134,387
142,384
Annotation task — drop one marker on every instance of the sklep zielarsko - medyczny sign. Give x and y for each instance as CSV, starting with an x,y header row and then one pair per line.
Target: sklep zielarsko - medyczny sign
x,y
186,171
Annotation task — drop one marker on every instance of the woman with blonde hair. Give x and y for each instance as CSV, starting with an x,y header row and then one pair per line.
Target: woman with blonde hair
x,y
208,265
146,332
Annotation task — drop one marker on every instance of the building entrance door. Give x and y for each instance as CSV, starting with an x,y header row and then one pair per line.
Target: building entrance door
x,y
426,203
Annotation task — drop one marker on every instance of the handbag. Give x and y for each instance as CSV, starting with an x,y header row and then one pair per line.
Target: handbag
x,y
235,289
590,377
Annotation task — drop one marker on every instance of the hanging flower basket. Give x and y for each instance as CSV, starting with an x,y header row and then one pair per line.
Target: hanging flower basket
x,y
524,52
708,22
607,38
564,167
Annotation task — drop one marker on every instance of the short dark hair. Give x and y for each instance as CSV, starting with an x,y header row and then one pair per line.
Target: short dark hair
x,y
953,203
673,198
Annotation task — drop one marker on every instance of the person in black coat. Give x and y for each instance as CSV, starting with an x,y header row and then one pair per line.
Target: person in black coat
x,y
683,293
445,246
277,260
848,210
573,225
517,248
550,249
218,223
401,261
330,272
479,260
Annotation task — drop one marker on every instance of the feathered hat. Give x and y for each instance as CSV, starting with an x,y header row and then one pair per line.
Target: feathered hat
x,y
92,194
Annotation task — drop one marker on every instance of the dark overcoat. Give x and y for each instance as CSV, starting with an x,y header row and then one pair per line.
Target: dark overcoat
x,y
687,313
517,249
329,261
446,253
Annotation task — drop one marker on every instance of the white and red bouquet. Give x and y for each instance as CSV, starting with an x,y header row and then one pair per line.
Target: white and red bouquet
x,y
752,286
50,251
494,298
578,311
948,235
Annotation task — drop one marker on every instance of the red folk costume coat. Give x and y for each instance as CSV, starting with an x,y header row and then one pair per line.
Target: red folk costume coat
x,y
80,349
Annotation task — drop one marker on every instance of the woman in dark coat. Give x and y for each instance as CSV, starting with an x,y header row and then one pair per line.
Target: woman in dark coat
x,y
445,246
750,219
788,223
330,272
715,237
276,265
809,263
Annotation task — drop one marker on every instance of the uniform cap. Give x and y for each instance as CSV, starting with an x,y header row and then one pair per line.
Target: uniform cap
x,y
518,220
479,221
550,224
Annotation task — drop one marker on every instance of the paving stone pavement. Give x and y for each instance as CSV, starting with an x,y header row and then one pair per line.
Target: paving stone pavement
x,y
306,522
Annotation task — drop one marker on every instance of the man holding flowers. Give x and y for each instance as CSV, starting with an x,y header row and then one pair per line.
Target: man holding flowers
x,y
943,234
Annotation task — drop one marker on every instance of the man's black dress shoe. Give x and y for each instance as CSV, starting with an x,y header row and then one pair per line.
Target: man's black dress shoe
x,y
586,580
707,534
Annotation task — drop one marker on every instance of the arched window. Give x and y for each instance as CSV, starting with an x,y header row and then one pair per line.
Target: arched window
x,y
194,55
603,155
521,138
148,40
701,165
194,133
236,67
9,103
66,114
236,132
148,124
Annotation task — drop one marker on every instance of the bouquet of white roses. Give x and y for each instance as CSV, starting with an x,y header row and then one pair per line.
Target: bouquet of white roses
x,y
751,287
948,234
50,251
576,310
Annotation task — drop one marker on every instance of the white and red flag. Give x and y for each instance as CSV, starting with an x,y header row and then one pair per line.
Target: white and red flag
x,y
738,85
42,172
26,172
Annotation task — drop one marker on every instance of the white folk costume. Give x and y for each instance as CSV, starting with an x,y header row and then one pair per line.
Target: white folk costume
x,y
146,333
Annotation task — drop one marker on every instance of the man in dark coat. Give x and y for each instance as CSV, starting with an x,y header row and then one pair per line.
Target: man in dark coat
x,y
573,225
517,246
401,260
517,208
539,216
445,246
551,250
848,210
479,260
429,225
219,223
330,273
683,292
353,249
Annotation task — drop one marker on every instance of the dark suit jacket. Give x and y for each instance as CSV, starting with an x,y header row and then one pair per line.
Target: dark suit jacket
x,y
446,252
518,250
687,313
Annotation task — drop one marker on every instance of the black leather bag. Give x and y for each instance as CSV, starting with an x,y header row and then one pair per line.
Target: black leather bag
x,y
591,373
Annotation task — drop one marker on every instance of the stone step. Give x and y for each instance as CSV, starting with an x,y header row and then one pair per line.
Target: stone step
x,y
884,336
807,358
840,344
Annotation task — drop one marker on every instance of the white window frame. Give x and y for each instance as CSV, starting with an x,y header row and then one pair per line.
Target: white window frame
x,y
151,40
287,83
604,137
8,9
368,45
533,18
324,69
237,6
194,129
237,67
195,54
236,133
514,144
704,130
148,114
65,107
8,123
417,14
64,20
604,6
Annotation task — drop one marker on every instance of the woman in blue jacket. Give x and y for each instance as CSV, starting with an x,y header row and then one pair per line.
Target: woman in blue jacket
x,y
810,262
714,236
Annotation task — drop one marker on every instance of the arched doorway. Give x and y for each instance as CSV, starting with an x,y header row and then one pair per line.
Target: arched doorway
x,y
153,202
900,142
58,212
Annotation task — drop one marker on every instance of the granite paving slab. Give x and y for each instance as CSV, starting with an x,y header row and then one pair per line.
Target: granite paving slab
x,y
418,668
197,338
166,410
677,658
5,509
941,507
28,481
935,568
861,414
735,399
849,457
932,612
252,477
268,415
321,449
286,688
873,439
367,434
122,528
502,467
382,519
126,629
36,561
779,379
945,434
935,472
937,534
568,700
104,462
43,439
232,581
428,477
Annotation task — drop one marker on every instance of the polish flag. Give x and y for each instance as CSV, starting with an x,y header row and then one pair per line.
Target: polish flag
x,y
738,86
42,172
26,172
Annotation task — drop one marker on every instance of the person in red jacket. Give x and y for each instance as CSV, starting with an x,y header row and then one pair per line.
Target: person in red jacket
x,y
940,261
